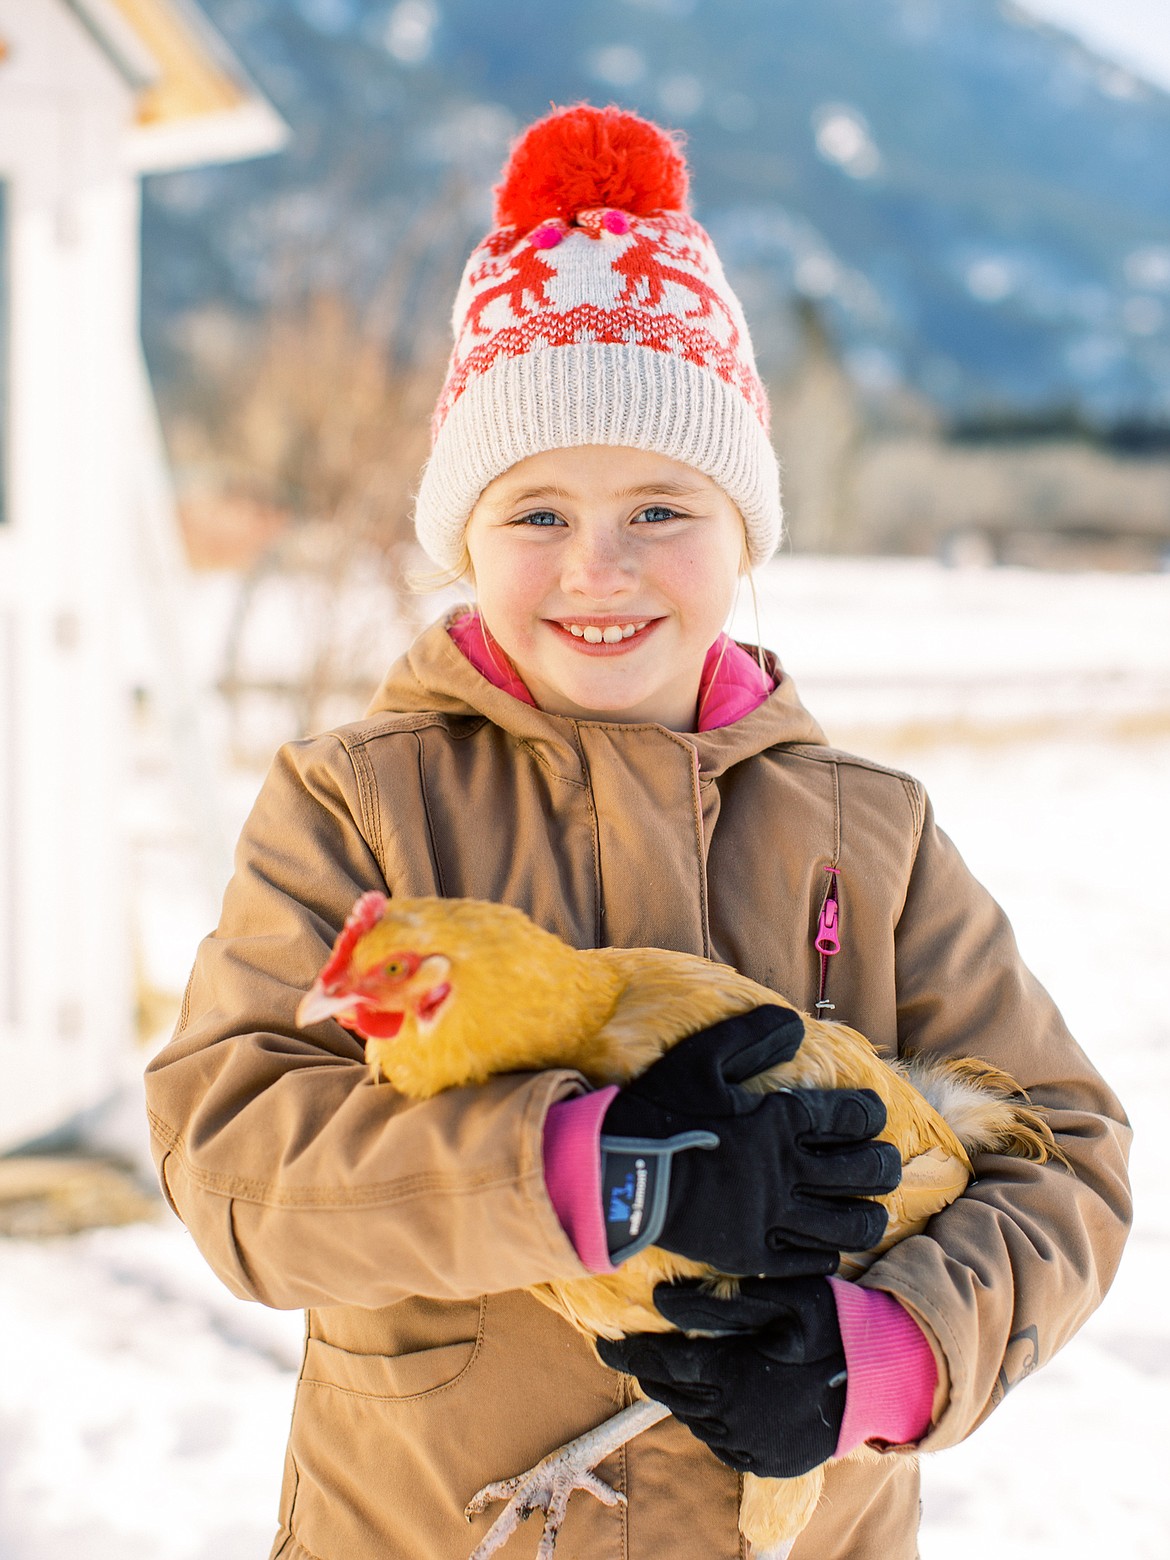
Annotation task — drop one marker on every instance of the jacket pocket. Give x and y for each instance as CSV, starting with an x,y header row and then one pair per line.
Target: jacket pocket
x,y
400,1376
402,1415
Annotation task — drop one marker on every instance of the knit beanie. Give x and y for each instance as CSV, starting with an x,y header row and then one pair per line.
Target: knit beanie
x,y
596,312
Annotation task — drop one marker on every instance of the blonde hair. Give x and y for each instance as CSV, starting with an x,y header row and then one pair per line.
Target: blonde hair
x,y
745,572
421,582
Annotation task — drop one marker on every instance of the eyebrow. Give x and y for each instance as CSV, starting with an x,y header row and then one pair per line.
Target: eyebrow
x,y
642,490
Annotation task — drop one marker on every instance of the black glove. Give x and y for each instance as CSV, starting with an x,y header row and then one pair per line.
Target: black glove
x,y
768,1395
695,1164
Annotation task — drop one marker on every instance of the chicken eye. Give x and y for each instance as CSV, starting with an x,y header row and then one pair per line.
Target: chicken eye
x,y
393,967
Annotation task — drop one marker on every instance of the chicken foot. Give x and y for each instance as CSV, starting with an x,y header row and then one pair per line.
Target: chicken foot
x,y
547,1487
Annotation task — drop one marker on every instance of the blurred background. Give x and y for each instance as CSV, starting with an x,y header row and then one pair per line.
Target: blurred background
x,y
230,234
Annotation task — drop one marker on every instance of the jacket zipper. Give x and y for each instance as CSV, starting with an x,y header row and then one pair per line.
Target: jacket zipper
x,y
828,938
827,941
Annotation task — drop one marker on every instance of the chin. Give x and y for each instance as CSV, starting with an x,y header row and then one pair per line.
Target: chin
x,y
613,690
597,703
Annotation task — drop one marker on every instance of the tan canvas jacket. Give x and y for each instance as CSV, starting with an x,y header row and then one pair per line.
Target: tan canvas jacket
x,y
410,1231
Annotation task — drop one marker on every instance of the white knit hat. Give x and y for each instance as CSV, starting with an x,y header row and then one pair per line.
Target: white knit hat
x,y
596,312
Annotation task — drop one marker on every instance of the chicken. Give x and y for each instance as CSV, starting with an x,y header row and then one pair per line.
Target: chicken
x,y
447,992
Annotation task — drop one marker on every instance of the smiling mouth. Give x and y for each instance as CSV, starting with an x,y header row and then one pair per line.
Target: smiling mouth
x,y
608,632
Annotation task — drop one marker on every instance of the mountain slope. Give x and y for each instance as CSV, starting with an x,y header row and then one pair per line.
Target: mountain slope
x,y
981,207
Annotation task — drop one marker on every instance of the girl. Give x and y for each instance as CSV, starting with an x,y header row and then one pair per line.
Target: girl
x,y
587,745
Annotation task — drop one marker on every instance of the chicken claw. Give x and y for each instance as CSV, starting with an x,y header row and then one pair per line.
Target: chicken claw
x,y
547,1487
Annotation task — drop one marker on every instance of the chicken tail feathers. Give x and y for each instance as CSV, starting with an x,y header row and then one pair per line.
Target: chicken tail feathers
x,y
985,1108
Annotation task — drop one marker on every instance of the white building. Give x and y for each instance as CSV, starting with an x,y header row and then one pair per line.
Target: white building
x,y
93,93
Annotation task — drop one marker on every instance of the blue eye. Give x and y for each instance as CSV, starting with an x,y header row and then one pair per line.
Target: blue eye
x,y
539,517
655,513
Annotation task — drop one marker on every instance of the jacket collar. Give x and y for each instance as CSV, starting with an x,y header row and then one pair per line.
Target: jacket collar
x,y
434,676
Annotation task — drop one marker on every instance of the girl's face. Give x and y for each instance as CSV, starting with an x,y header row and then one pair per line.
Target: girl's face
x,y
606,574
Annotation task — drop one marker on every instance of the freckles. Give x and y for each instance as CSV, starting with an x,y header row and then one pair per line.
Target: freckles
x,y
525,590
699,582
510,587
529,576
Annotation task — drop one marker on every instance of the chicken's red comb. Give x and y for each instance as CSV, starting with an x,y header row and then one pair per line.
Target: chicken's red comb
x,y
364,915
582,158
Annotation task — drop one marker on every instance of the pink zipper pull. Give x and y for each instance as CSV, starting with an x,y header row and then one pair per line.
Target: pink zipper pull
x,y
828,941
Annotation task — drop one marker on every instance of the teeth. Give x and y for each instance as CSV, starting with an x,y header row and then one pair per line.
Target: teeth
x,y
612,635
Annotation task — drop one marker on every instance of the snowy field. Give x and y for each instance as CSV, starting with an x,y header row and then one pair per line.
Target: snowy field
x,y
143,1410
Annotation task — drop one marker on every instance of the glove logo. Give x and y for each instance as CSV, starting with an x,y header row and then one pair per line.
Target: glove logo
x,y
627,1200
634,1185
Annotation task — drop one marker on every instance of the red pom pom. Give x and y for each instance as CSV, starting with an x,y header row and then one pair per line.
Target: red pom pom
x,y
584,157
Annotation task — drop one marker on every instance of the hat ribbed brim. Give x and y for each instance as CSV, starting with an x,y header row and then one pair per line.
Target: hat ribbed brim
x,y
597,393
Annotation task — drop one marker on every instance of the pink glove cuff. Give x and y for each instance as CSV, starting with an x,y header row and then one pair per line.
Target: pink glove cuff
x,y
572,1173
892,1373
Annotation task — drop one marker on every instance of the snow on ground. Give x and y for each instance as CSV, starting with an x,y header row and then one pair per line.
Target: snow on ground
x,y
143,1409
1073,838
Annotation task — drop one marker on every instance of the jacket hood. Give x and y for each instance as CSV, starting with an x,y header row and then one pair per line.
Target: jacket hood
x,y
434,676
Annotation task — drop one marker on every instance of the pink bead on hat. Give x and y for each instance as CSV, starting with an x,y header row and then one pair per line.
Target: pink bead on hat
x,y
597,312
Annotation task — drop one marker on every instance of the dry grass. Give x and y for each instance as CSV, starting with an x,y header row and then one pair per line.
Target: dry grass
x,y
915,736
44,1195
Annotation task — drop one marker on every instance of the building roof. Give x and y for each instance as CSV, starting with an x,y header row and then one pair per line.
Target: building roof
x,y
194,103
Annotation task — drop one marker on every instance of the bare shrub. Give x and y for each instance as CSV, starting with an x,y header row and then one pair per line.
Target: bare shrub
x,y
320,411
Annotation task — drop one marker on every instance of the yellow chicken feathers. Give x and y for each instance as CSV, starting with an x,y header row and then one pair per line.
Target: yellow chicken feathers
x,y
448,992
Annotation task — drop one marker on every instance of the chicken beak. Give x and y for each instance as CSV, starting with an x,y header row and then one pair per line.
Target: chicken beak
x,y
316,1006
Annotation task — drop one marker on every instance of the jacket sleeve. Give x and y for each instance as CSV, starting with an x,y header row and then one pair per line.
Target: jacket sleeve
x,y
302,1181
1005,1275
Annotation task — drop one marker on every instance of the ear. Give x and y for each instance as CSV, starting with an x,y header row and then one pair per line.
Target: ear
x,y
745,562
745,558
466,569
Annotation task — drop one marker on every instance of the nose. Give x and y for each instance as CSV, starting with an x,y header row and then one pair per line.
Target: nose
x,y
597,566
